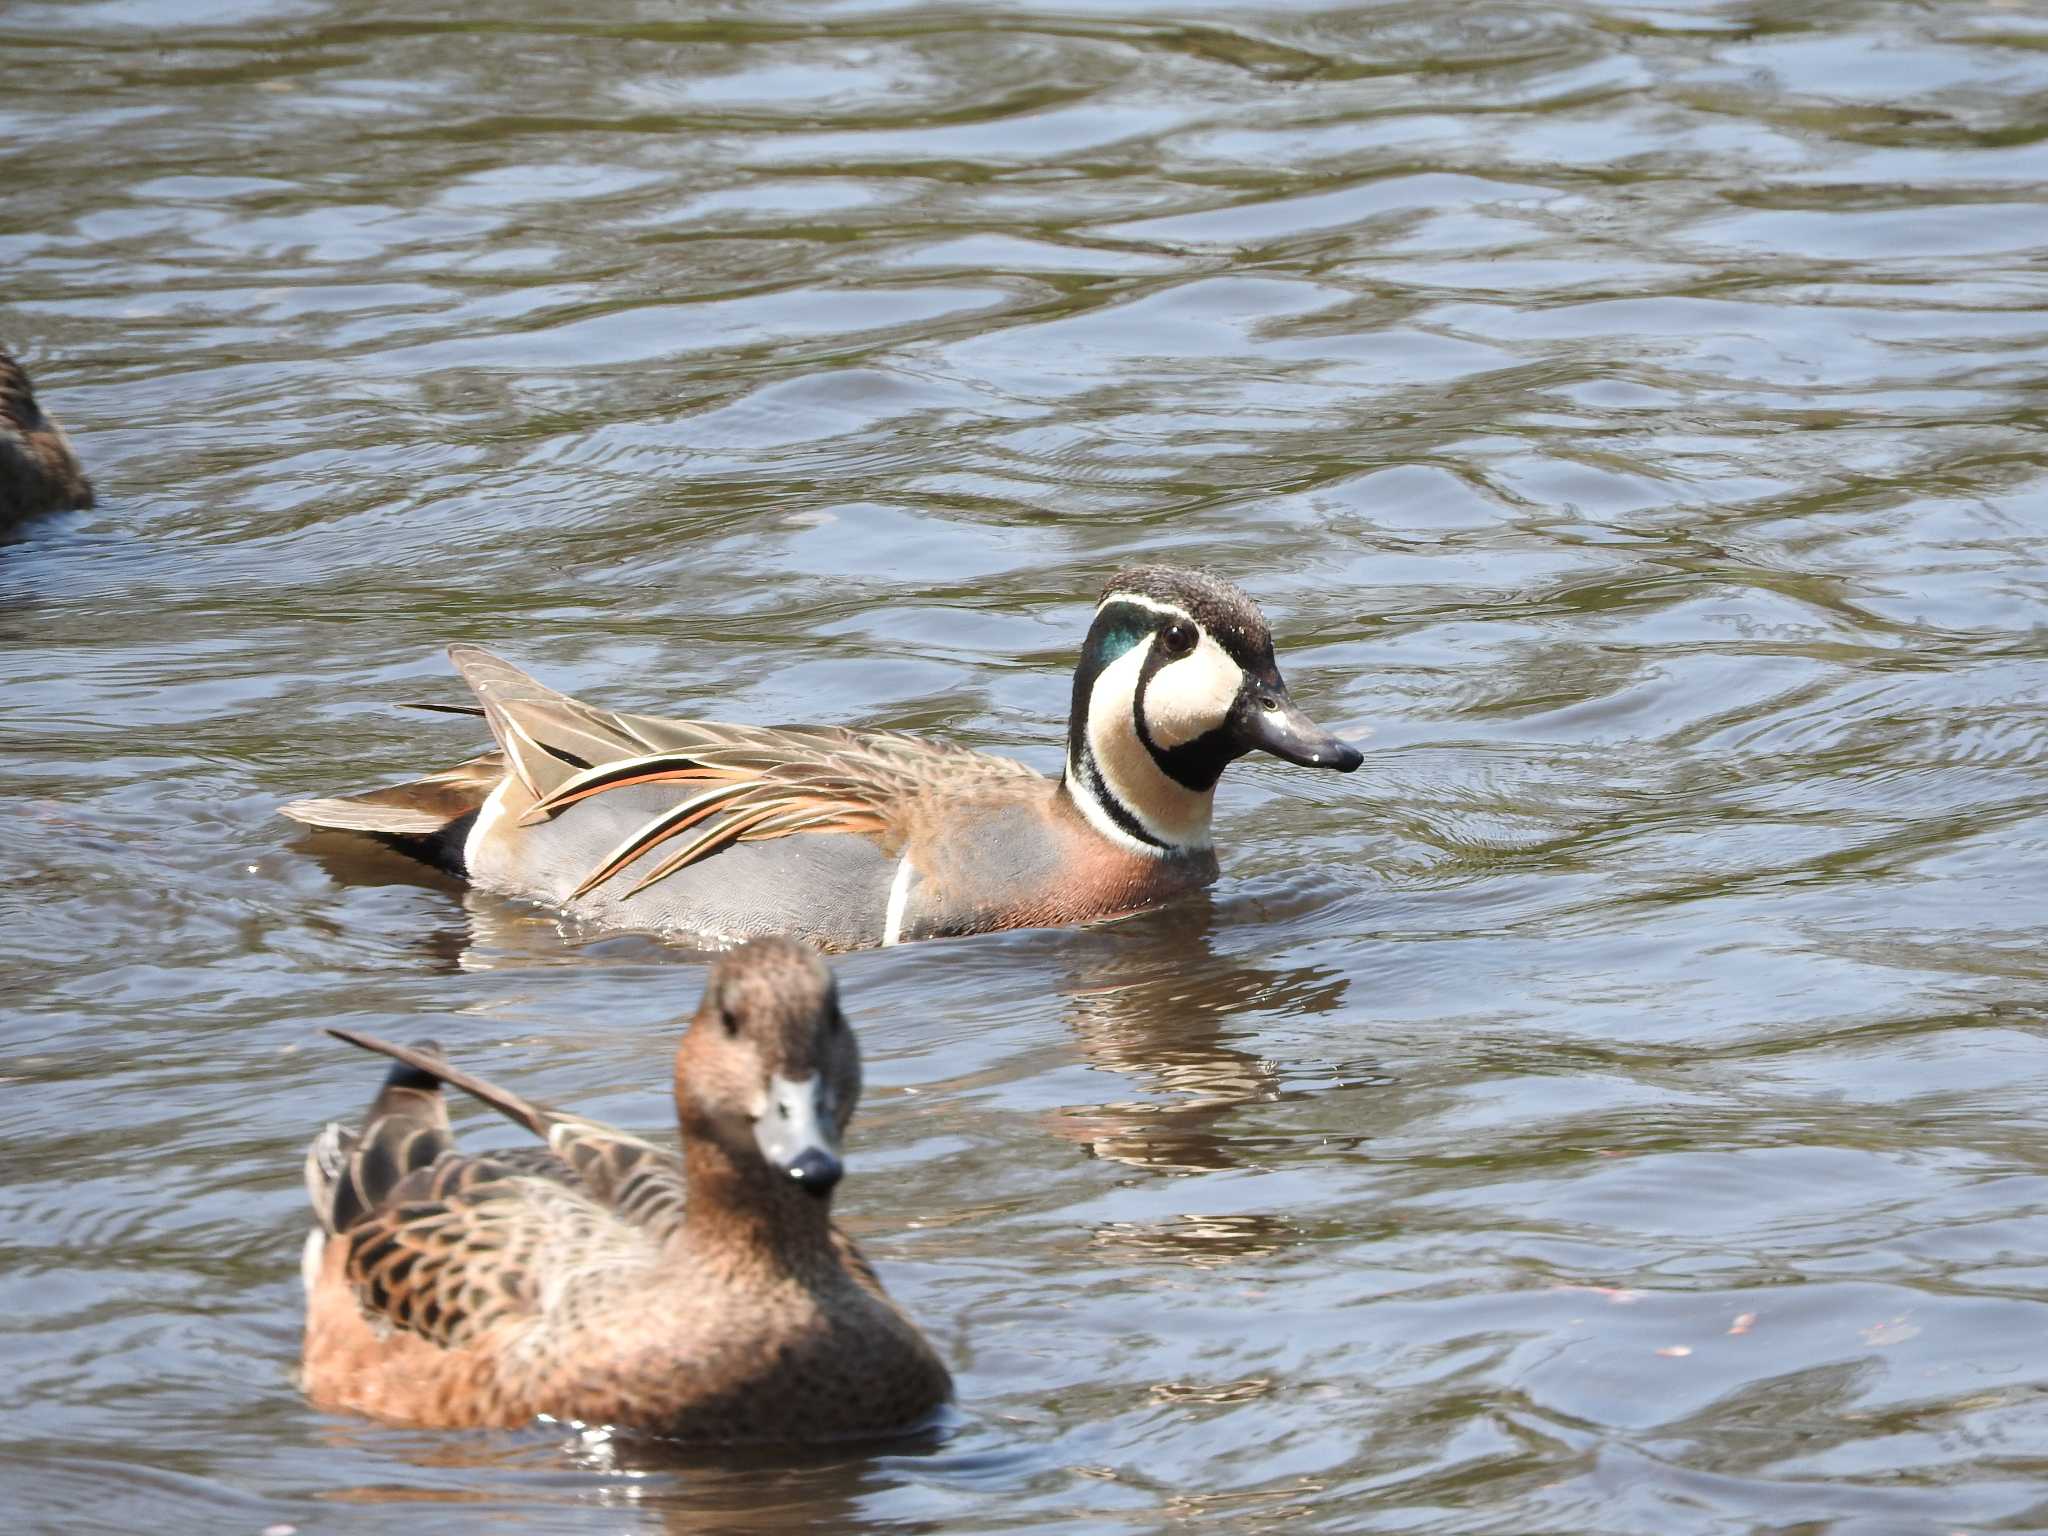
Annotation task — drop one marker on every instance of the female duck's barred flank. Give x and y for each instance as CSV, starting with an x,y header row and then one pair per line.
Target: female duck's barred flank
x,y
855,838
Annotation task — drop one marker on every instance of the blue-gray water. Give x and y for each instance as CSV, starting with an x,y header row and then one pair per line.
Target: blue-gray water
x,y
1619,1108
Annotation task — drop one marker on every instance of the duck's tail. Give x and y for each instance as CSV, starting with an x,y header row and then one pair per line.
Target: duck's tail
x,y
429,817
351,1173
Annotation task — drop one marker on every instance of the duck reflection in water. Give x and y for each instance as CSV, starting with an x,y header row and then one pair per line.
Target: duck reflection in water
x,y
669,1486
1152,1001
1162,1011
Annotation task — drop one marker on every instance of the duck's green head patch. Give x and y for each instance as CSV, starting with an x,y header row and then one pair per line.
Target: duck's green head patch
x,y
1116,629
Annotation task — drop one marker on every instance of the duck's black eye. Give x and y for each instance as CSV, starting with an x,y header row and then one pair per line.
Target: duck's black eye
x,y
730,1020
1178,637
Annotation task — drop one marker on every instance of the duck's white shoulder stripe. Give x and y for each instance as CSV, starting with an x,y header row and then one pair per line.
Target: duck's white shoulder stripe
x,y
899,899
488,815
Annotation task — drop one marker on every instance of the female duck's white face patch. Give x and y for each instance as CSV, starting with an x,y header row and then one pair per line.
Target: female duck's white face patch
x,y
1192,696
793,1119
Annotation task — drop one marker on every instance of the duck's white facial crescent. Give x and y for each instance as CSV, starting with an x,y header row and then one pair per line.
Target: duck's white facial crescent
x,y
1187,697
1192,696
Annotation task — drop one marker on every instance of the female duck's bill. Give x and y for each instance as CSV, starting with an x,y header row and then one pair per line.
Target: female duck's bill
x,y
575,1279
38,470
856,838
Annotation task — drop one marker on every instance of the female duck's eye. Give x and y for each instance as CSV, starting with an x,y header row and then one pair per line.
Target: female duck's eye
x,y
1178,637
730,1020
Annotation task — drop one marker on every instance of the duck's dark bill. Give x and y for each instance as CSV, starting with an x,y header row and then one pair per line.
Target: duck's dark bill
x,y
815,1171
1268,721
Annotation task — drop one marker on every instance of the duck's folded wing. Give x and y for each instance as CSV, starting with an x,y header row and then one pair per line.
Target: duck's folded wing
x,y
471,1244
638,1181
739,792
745,783
754,783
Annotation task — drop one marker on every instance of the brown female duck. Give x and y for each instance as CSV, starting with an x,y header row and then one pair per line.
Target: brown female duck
x,y
38,471
856,838
603,1279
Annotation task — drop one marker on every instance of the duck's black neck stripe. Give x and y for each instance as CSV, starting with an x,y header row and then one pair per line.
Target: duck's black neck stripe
x,y
1094,785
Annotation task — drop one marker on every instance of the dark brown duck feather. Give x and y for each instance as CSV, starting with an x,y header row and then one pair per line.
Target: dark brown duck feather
x,y
38,470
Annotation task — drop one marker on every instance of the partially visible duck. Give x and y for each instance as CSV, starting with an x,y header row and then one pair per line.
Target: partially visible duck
x,y
857,838
603,1279
38,471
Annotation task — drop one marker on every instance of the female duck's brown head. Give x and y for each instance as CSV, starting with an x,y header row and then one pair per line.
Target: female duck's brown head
x,y
38,471
768,1073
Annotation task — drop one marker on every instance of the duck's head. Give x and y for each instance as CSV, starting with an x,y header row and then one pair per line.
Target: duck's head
x,y
768,1069
1176,681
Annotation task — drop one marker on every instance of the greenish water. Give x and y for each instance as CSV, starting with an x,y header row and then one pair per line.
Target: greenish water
x,y
1620,1107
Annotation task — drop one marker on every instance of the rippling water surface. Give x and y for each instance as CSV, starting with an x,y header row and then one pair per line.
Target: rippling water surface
x,y
1618,1108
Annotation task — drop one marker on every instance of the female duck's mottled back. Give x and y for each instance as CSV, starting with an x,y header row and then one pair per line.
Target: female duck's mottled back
x,y
38,471
855,838
604,1279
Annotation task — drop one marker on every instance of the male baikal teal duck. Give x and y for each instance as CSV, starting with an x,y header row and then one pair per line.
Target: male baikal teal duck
x,y
857,838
